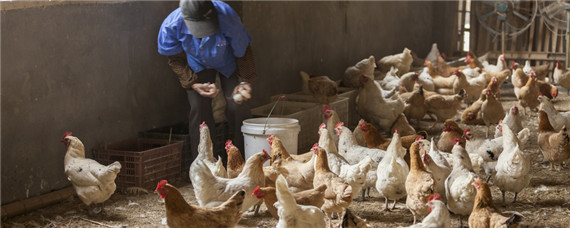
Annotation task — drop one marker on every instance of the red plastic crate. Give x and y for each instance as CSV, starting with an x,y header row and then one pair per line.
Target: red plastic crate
x,y
144,161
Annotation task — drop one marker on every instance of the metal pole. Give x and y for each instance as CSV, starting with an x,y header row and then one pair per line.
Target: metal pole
x,y
567,37
502,36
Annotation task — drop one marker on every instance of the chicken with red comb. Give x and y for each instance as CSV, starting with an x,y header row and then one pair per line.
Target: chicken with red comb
x,y
94,183
235,160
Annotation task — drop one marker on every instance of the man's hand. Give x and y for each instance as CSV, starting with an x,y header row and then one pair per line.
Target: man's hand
x,y
206,89
244,89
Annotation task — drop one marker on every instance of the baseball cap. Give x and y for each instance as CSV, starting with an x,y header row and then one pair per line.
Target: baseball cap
x,y
200,17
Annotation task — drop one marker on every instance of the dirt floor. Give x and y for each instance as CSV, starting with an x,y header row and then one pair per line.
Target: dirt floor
x,y
544,203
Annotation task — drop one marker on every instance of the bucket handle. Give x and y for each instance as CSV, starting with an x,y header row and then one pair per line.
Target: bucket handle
x,y
274,105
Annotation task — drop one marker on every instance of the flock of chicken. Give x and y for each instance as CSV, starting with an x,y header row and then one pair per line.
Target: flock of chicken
x,y
310,189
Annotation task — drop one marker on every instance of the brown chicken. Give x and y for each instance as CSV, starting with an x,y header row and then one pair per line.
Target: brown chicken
x,y
323,89
444,106
432,71
555,146
474,61
449,133
338,195
547,89
472,114
374,139
528,94
350,220
491,110
485,214
278,150
235,160
420,184
494,86
541,71
404,126
415,108
443,68
314,197
181,214
520,79
452,84
501,76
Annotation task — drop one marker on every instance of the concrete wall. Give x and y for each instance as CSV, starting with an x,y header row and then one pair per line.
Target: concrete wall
x,y
92,68
324,38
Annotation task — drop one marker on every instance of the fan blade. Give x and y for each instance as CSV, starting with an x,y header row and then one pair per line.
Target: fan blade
x,y
520,16
551,9
485,16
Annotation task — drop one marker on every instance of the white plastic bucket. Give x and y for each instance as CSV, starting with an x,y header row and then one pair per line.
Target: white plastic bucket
x,y
255,133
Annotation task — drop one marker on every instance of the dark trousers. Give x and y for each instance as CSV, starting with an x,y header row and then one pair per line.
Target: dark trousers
x,y
201,110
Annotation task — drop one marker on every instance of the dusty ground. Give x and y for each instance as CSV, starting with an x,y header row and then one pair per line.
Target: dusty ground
x,y
544,203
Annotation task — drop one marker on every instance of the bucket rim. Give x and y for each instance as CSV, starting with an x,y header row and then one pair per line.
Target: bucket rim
x,y
260,121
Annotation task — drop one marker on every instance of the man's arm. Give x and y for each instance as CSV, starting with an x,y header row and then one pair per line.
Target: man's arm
x,y
180,66
246,67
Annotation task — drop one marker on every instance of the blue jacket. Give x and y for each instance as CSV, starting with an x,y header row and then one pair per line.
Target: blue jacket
x,y
218,51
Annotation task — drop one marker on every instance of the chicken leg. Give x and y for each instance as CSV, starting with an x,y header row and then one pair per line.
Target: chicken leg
x,y
393,205
515,199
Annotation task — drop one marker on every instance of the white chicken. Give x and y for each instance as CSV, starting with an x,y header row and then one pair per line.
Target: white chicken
x,y
391,80
355,175
94,183
391,178
374,108
436,164
206,154
527,68
212,191
513,165
474,88
471,73
336,161
426,80
512,119
459,188
364,67
501,65
332,119
557,119
490,149
354,153
438,217
292,215
401,61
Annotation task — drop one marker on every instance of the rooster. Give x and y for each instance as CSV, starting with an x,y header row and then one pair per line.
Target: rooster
x,y
181,214
94,183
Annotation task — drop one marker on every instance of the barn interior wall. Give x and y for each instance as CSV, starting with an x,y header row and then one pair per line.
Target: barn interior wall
x,y
93,69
